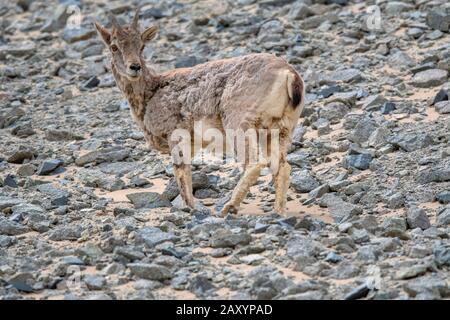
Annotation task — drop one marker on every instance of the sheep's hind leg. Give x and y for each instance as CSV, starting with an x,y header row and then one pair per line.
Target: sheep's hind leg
x,y
281,179
247,180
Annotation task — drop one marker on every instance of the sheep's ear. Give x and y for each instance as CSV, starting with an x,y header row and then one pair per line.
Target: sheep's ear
x,y
104,34
149,33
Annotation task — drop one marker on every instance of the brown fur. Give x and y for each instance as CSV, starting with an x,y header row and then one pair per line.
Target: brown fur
x,y
252,91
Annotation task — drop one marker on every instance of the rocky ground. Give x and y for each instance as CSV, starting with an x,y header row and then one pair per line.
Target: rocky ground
x,y
87,211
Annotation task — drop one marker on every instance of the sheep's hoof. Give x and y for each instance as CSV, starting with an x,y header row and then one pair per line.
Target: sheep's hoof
x,y
280,212
228,208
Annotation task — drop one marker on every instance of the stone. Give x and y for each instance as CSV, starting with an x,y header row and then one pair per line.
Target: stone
x,y
411,141
150,271
358,161
344,75
359,292
71,35
11,228
26,170
373,102
94,282
11,117
410,272
303,181
429,78
363,130
443,217
90,83
438,20
393,227
417,218
441,255
300,11
47,166
443,197
387,107
224,238
112,154
58,197
71,233
442,95
20,154
200,285
152,236
58,20
149,200
442,107
397,7
339,209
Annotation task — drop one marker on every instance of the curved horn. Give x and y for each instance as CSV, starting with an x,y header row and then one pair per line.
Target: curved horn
x,y
135,22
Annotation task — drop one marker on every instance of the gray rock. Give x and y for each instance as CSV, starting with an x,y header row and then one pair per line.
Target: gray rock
x,y
417,218
200,285
345,75
300,11
410,272
359,292
358,161
150,271
26,170
11,117
429,78
20,154
438,20
58,197
363,131
103,155
397,7
8,202
71,35
97,179
443,216
393,227
442,107
47,166
411,141
58,20
339,209
441,255
303,181
148,200
434,175
152,236
19,49
11,228
334,111
71,233
224,238
95,282
443,197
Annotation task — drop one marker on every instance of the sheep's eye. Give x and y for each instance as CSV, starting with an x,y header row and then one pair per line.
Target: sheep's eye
x,y
114,48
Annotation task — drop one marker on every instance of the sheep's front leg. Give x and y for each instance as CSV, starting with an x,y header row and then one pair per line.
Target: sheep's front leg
x,y
183,175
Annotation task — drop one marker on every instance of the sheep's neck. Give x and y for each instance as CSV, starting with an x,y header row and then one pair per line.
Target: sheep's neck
x,y
138,91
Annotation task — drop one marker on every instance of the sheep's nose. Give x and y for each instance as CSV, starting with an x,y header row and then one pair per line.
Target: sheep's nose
x,y
135,66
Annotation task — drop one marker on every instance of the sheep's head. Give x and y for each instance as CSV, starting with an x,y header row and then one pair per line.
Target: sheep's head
x,y
126,44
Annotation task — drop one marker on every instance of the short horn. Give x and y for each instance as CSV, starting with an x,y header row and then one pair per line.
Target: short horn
x,y
114,22
135,22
